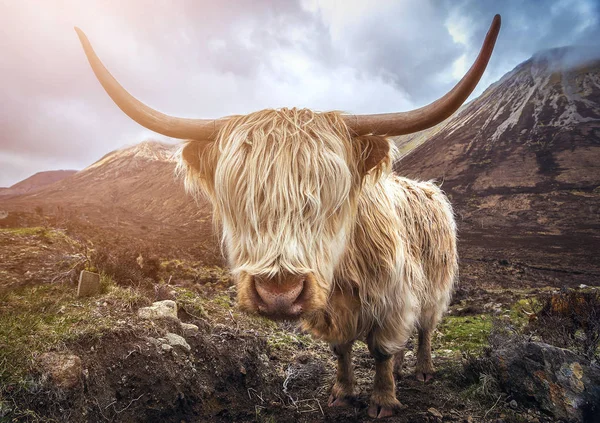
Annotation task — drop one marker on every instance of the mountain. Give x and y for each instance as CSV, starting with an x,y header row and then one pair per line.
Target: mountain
x,y
133,191
522,166
36,182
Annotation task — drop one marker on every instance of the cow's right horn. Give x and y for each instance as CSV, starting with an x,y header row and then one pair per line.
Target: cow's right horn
x,y
183,128
402,123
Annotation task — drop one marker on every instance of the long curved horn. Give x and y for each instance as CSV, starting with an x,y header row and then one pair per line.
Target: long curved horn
x,y
170,126
416,120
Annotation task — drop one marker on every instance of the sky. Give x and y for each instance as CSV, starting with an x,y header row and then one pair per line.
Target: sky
x,y
207,59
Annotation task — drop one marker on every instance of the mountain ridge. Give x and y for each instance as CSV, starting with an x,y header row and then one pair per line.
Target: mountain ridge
x,y
521,165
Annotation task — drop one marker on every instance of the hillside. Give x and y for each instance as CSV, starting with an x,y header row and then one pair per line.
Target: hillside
x,y
36,182
522,165
133,191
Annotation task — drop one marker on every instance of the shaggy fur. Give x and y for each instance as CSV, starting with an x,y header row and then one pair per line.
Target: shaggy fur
x,y
296,193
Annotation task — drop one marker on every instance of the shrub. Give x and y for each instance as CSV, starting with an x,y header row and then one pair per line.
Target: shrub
x,y
569,319
127,263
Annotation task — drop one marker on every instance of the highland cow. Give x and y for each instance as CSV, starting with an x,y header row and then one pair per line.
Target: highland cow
x,y
316,227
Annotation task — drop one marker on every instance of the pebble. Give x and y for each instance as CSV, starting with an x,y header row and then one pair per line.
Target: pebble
x,y
434,412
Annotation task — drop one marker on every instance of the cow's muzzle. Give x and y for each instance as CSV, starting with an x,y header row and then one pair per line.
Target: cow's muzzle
x,y
281,297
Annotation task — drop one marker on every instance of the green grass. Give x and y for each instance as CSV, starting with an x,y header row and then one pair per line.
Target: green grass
x,y
464,333
38,319
520,311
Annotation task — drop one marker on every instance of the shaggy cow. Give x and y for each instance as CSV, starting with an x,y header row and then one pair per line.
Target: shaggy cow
x,y
316,227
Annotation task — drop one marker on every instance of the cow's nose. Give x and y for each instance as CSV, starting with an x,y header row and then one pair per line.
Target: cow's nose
x,y
280,297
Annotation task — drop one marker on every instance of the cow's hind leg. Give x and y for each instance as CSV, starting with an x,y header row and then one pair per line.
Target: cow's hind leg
x,y
424,369
343,388
383,398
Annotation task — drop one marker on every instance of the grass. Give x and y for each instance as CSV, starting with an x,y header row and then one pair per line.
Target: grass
x,y
464,333
36,230
38,319
521,309
192,303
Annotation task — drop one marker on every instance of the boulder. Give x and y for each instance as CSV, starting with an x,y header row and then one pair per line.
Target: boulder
x,y
561,382
159,310
64,370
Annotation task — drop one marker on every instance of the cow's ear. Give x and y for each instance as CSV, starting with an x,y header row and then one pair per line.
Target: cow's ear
x,y
194,154
197,164
374,150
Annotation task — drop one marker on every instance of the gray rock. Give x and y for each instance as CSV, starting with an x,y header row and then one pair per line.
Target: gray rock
x,y
159,310
189,328
177,341
89,284
558,380
64,370
166,347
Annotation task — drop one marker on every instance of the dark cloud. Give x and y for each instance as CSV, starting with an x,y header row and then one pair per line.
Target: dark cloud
x,y
209,59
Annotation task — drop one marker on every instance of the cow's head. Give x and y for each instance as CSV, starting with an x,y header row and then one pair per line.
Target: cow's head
x,y
284,183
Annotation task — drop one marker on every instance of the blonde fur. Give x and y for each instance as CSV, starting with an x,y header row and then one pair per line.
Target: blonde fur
x,y
292,194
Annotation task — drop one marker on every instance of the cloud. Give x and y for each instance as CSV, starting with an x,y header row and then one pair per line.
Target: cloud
x,y
210,59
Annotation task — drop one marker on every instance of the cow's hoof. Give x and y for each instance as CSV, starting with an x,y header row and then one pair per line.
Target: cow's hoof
x,y
424,377
341,401
380,411
341,396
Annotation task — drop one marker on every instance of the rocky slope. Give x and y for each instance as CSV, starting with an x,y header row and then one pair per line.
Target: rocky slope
x,y
522,165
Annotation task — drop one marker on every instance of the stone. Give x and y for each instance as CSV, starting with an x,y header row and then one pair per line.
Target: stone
x,y
189,328
175,340
159,310
166,347
153,341
89,284
556,380
64,370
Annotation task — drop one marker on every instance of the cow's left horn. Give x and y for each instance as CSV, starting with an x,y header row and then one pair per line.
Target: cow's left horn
x,y
183,128
416,120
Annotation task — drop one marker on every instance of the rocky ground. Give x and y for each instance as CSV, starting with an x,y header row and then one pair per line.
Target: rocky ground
x,y
108,358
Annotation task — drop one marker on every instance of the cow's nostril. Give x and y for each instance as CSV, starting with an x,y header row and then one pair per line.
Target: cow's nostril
x,y
280,298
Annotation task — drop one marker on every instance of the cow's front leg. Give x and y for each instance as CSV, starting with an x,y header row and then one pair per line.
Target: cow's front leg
x,y
383,398
343,388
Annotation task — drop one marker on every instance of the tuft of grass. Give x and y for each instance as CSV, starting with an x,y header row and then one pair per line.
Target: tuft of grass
x,y
521,311
35,230
191,303
285,341
464,333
